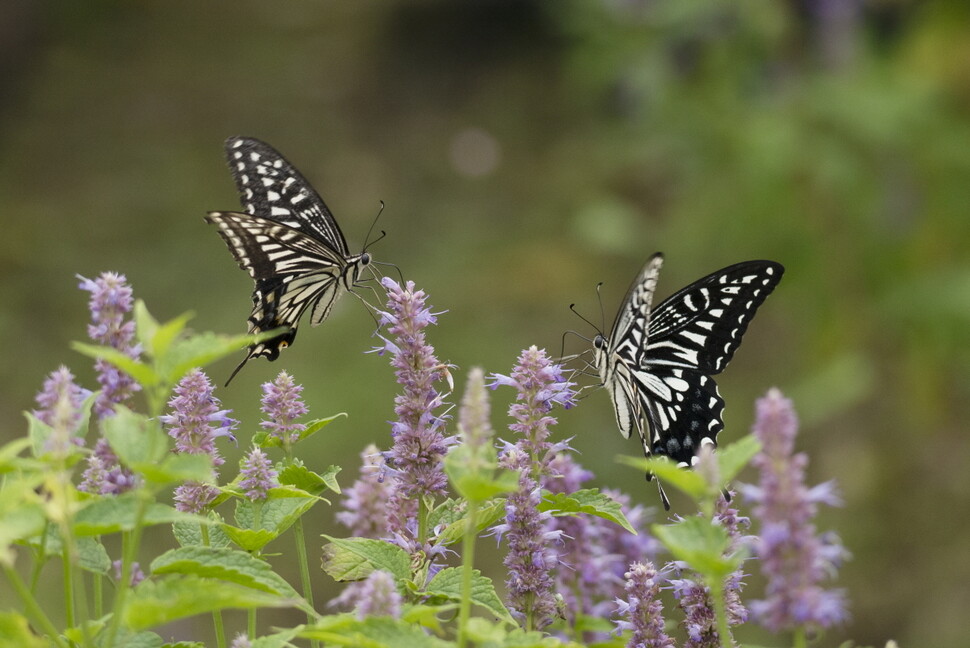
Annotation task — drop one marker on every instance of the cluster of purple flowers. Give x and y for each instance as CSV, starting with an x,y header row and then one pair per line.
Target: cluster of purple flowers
x,y
282,405
195,422
60,407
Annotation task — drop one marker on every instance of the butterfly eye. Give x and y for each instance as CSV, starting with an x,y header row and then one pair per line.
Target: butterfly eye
x,y
364,258
599,342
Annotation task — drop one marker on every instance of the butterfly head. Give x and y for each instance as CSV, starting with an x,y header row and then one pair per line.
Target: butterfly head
x,y
364,259
599,342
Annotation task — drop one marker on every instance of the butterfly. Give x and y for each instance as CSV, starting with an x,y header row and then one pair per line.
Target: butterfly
x,y
657,363
288,242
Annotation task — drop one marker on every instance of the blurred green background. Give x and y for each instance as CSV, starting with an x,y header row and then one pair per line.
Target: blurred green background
x,y
525,152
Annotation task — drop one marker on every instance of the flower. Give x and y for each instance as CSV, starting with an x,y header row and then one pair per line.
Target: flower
x,y
531,559
419,441
378,596
473,417
257,474
700,620
241,640
282,404
794,559
195,423
642,609
365,503
60,407
137,575
110,303
104,475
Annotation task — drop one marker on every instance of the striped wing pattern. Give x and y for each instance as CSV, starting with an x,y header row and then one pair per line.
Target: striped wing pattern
x,y
288,242
658,363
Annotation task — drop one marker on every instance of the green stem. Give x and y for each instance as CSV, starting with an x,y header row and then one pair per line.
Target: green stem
x,y
129,551
70,617
467,570
98,596
251,624
723,629
219,627
41,558
301,551
32,607
800,641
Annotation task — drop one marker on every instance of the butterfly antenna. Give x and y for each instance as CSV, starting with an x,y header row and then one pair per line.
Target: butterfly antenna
x,y
599,298
572,307
371,229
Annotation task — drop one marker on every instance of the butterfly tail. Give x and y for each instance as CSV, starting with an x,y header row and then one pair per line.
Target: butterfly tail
x,y
249,354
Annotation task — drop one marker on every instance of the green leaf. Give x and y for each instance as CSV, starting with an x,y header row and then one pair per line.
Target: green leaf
x,y
732,458
298,475
248,539
156,602
267,440
355,558
176,469
189,534
448,583
21,514
202,349
277,513
280,639
92,556
588,500
135,438
486,634
141,372
488,515
10,460
113,514
224,564
472,471
670,473
372,632
146,328
15,631
699,543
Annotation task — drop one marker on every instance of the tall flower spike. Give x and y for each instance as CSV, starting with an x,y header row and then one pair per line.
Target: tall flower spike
x,y
60,407
642,609
531,558
195,423
473,417
378,596
365,503
283,405
419,441
794,560
110,303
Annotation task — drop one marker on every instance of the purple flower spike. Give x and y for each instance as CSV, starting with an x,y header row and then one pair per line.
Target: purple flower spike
x,y
700,619
531,558
365,502
794,559
643,609
110,304
194,423
241,641
419,441
60,407
257,475
378,596
283,405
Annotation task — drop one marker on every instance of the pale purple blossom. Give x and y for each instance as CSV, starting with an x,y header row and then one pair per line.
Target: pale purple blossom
x,y
104,475
378,596
473,417
700,619
794,559
365,502
532,559
195,423
282,405
110,304
257,475
60,403
137,575
241,640
419,440
642,610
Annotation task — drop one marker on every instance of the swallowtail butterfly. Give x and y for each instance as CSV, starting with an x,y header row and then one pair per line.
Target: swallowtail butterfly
x,y
288,242
657,364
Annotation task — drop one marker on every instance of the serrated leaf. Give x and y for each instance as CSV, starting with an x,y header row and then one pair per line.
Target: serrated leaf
x,y
699,543
189,534
168,332
202,349
277,513
347,559
92,556
143,374
135,438
9,455
266,440
488,515
688,481
448,583
588,500
249,539
277,640
146,327
306,480
224,564
372,632
156,602
485,634
113,514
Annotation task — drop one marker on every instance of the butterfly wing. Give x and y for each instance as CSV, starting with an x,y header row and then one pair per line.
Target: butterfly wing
x,y
291,271
270,187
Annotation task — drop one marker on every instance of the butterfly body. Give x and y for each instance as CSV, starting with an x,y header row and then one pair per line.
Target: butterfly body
x,y
288,242
657,363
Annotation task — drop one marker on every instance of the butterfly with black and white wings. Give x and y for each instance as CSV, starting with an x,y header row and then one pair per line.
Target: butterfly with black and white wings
x,y
657,363
288,242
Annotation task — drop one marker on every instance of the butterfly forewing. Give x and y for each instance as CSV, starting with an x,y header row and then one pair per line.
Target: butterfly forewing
x,y
271,187
288,242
